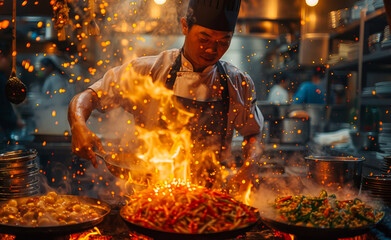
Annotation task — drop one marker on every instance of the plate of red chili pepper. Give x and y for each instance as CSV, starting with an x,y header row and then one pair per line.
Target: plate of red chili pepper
x,y
185,211
322,216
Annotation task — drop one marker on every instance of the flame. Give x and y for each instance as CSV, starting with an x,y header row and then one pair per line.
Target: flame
x,y
247,196
169,148
88,235
7,237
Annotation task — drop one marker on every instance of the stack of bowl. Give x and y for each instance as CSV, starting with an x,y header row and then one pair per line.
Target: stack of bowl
x,y
387,165
378,187
374,42
19,174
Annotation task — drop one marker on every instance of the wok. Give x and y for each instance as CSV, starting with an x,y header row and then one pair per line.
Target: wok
x,y
102,208
123,165
164,235
303,232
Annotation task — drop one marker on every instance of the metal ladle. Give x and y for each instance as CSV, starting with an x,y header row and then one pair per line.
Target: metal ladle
x,y
15,89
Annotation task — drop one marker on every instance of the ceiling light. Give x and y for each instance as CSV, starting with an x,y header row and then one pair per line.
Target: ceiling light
x,y
160,2
310,3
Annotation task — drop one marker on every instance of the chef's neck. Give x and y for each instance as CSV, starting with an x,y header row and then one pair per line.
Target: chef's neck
x,y
196,67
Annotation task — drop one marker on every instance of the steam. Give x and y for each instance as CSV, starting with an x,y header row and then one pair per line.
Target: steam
x,y
271,187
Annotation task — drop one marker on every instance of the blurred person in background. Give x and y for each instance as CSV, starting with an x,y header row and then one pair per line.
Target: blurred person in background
x,y
279,94
55,85
311,92
9,118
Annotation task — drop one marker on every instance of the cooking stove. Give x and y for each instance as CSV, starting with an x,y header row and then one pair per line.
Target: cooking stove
x,y
114,228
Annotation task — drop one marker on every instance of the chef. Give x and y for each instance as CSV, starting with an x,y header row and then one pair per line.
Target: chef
x,y
221,96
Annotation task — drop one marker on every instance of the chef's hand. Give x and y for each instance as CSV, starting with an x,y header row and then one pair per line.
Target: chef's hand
x,y
84,142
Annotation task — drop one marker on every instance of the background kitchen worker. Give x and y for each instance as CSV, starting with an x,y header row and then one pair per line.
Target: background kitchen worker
x,y
279,94
55,85
221,96
313,91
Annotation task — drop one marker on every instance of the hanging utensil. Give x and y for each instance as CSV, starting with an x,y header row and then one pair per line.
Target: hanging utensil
x,y
15,89
92,27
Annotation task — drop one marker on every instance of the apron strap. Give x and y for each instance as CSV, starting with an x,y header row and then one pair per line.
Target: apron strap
x,y
172,75
226,100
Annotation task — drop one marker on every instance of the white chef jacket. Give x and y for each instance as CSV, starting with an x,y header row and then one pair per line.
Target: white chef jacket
x,y
244,115
278,95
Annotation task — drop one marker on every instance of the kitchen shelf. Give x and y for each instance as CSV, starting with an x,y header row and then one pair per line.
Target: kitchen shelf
x,y
379,13
346,32
345,65
367,66
376,101
378,56
376,20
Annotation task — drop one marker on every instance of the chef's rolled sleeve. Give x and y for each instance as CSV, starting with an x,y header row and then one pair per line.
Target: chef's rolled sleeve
x,y
245,115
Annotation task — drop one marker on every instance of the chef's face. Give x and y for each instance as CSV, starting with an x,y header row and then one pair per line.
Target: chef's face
x,y
204,46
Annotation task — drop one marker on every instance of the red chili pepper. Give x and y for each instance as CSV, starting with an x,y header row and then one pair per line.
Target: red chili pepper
x,y
284,199
326,212
237,214
212,212
371,214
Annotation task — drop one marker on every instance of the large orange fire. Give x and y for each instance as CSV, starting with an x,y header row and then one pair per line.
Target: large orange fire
x,y
161,137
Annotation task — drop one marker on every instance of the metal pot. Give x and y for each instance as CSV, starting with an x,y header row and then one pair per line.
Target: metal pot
x,y
295,130
367,141
273,111
287,131
19,174
335,172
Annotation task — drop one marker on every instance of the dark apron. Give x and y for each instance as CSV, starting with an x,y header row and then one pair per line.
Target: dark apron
x,y
208,128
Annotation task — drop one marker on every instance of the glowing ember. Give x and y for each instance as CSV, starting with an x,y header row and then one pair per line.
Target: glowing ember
x,y
7,237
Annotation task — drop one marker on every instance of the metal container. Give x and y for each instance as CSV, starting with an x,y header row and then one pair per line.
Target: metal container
x,y
295,130
19,174
335,172
367,141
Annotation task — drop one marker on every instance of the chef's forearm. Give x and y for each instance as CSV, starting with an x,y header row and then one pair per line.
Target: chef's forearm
x,y
80,108
252,149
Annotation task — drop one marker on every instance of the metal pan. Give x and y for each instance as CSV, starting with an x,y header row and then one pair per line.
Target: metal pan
x,y
163,235
303,232
102,208
123,165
